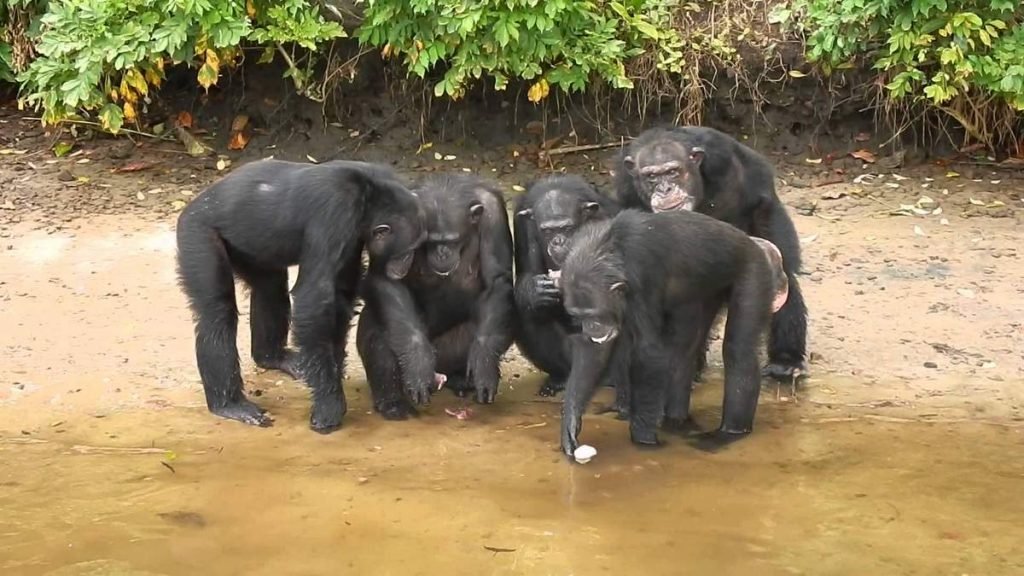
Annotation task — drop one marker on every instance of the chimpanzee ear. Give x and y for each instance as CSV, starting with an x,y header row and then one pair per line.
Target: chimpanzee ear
x,y
381,231
620,287
475,211
629,164
697,154
526,213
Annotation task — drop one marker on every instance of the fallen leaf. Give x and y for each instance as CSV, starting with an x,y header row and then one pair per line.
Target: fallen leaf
x,y
864,155
155,191
812,160
995,181
7,151
311,159
925,200
239,123
860,179
996,204
133,167
965,292
222,164
238,141
797,74
833,194
353,134
140,196
177,204
976,202
809,239
437,156
424,146
449,157
951,174
937,211
900,177
944,221
83,161
919,231
186,192
184,119
62,148
518,188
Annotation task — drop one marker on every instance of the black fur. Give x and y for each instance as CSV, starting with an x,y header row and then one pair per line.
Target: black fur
x,y
635,285
546,217
734,184
458,324
257,221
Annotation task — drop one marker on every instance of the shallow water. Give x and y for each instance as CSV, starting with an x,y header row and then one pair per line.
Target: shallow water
x,y
492,495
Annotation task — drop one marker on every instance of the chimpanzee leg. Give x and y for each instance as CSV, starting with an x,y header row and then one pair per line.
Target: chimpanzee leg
x,y
546,345
649,381
345,291
685,337
269,315
787,340
452,349
749,309
382,371
314,327
709,314
206,278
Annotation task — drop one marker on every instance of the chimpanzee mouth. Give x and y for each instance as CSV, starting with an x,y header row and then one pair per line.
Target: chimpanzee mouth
x,y
446,273
399,266
608,337
678,203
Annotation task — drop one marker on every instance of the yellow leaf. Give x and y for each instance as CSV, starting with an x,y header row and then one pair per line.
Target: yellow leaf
x,y
250,8
796,74
153,77
207,76
136,80
386,52
129,111
538,91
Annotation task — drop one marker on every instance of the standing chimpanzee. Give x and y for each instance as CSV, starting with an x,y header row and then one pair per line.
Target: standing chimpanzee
x,y
702,169
452,318
257,221
635,285
546,217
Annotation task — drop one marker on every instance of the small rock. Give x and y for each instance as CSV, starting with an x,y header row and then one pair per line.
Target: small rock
x,y
930,365
65,176
816,277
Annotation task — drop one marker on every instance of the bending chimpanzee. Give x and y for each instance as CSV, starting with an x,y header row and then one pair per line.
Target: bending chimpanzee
x,y
702,169
452,318
546,217
257,221
635,285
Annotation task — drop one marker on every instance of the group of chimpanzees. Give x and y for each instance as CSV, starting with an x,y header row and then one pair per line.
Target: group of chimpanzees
x,y
617,290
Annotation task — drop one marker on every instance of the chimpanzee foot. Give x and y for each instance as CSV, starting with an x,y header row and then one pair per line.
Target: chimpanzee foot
x,y
289,364
784,370
326,415
551,387
396,409
645,438
246,412
717,440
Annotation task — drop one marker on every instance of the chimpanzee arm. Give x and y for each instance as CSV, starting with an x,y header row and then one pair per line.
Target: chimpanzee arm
x,y
535,291
588,364
496,306
406,334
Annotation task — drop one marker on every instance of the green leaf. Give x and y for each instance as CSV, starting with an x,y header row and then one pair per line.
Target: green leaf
x,y
111,118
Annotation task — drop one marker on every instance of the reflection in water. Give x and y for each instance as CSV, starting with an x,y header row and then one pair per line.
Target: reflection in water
x,y
180,492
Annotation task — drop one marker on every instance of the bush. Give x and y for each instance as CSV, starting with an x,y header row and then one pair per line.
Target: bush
x,y
965,57
105,55
561,43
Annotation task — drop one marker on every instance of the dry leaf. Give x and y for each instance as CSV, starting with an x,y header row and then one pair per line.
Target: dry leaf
x,y
965,292
238,141
899,177
424,146
860,179
976,202
437,156
812,160
944,221
951,174
353,134
222,164
996,204
83,161
797,74
937,211
184,119
919,231
177,204
140,196
7,151
864,155
186,192
133,167
833,195
311,159
518,188
239,123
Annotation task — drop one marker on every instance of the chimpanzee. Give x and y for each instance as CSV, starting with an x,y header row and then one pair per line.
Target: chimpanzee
x,y
635,285
257,221
452,318
703,169
546,217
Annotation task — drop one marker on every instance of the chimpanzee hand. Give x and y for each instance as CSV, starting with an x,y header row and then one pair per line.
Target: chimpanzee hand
x,y
482,372
545,292
419,378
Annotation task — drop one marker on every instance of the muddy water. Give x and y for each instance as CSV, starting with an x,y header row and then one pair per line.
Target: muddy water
x,y
109,463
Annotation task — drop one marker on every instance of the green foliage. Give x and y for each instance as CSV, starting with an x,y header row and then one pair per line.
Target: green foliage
x,y
565,43
931,50
106,54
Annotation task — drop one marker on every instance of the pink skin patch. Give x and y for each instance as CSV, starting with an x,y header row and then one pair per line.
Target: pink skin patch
x,y
439,380
771,252
459,413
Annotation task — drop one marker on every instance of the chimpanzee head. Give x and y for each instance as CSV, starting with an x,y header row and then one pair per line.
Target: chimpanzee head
x,y
397,230
455,209
593,284
666,173
559,205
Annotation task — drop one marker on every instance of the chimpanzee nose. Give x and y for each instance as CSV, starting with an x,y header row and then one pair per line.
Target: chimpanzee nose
x,y
558,241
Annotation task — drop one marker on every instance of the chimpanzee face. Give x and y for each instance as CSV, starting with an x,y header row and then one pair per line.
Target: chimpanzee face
x,y
558,215
596,301
452,223
667,175
396,234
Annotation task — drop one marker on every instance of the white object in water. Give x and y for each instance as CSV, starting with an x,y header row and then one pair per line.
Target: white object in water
x,y
583,453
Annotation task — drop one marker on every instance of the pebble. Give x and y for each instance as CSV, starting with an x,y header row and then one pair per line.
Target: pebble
x,y
816,277
930,365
